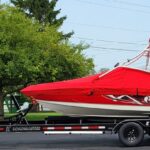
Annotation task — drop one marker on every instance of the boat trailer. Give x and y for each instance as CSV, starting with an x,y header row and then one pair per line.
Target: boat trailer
x,y
130,131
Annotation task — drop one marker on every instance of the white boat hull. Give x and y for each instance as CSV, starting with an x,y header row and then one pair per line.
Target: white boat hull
x,y
101,110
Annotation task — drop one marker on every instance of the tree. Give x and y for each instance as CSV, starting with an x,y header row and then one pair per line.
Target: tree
x,y
28,56
103,70
43,11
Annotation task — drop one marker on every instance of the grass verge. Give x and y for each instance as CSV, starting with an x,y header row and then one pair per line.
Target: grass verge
x,y
36,115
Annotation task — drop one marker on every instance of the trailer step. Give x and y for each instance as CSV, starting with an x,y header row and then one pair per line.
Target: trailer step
x,y
73,132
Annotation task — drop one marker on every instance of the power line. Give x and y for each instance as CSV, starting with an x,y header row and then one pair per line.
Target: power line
x,y
127,9
109,27
109,41
130,3
114,49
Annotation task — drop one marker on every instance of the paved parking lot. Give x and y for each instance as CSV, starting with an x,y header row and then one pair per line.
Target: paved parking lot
x,y
39,141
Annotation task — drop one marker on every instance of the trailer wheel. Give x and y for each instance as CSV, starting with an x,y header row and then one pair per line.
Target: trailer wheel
x,y
131,134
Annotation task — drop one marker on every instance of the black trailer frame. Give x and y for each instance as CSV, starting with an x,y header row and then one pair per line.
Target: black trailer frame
x,y
131,131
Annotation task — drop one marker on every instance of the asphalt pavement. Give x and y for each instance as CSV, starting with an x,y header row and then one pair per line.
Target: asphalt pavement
x,y
39,141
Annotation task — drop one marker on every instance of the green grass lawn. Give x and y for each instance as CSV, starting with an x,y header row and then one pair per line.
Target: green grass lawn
x,y
36,115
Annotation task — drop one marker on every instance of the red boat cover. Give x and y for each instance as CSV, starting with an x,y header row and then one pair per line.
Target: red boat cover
x,y
119,81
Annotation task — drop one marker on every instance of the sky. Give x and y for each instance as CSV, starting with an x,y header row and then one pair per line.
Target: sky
x,y
116,30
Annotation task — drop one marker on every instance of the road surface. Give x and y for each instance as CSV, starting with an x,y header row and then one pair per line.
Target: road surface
x,y
39,141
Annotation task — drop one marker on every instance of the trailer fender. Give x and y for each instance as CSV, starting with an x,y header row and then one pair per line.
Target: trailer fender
x,y
117,126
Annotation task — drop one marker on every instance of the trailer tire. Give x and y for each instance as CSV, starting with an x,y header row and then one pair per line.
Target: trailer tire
x,y
131,134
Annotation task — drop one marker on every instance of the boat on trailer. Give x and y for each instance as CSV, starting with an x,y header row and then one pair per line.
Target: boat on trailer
x,y
130,131
121,92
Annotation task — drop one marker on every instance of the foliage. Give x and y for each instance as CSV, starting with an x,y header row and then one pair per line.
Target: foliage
x,y
28,56
43,11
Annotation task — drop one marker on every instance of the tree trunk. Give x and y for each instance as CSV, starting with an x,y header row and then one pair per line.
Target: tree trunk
x,y
1,107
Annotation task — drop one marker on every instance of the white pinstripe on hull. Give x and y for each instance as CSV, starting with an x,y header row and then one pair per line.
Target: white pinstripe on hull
x,y
103,110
